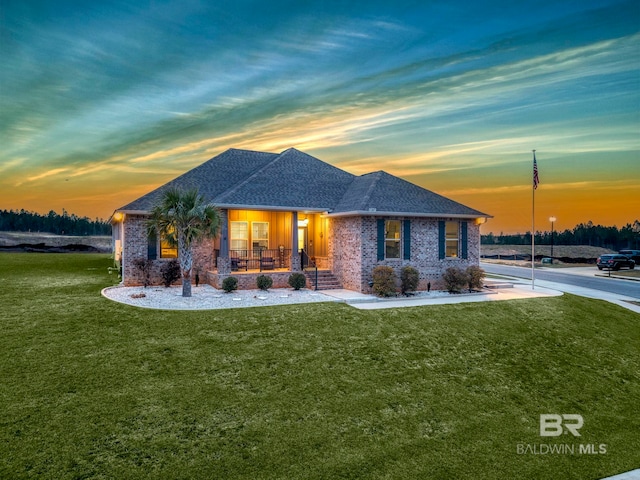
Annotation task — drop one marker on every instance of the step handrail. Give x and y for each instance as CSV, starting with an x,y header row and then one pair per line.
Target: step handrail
x,y
305,259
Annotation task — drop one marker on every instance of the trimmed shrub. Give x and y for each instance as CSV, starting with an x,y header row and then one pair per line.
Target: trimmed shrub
x,y
455,279
409,279
476,278
384,281
170,272
230,284
144,265
297,281
264,282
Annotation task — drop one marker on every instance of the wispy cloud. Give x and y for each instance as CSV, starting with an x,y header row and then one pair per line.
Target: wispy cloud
x,y
46,174
110,90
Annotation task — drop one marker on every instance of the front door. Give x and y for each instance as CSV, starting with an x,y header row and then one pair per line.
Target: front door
x,y
302,244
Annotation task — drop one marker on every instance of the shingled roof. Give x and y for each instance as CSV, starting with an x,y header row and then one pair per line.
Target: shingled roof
x,y
386,194
294,180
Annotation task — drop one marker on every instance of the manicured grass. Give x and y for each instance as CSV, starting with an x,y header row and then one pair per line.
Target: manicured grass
x,y
94,389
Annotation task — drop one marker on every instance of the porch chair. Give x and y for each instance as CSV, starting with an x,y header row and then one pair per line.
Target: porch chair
x,y
238,263
267,263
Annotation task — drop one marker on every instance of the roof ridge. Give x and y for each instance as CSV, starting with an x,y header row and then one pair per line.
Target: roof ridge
x,y
374,182
237,186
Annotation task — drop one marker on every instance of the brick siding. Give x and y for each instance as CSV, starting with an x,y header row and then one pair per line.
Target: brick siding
x,y
352,254
353,249
136,247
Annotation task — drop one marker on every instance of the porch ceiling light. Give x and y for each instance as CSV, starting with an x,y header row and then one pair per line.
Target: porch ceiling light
x,y
303,223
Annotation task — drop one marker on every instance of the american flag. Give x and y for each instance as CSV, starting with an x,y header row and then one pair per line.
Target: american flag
x,y
536,180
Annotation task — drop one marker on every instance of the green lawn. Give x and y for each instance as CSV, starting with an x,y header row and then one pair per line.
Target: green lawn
x,y
94,389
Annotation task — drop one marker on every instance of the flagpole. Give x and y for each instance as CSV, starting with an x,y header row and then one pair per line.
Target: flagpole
x,y
534,184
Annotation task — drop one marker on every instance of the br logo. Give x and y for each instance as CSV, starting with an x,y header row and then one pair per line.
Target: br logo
x,y
552,425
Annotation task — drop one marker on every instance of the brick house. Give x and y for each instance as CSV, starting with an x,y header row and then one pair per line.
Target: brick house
x,y
288,212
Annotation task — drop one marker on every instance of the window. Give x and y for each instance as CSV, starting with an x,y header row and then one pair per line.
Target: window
x,y
452,239
166,249
392,239
239,236
260,235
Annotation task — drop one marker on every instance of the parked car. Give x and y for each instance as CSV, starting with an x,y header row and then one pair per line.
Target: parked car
x,y
632,254
615,261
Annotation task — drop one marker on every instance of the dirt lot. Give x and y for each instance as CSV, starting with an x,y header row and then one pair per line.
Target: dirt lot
x,y
565,256
571,251
562,254
48,242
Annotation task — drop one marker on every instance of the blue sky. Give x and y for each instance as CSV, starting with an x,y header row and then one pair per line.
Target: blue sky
x,y
102,101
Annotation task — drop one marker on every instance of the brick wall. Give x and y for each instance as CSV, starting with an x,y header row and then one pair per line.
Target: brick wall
x,y
345,250
247,281
353,247
135,247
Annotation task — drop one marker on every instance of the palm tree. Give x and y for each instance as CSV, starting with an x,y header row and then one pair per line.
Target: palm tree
x,y
182,218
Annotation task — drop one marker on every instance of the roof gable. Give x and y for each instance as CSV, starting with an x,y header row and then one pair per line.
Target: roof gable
x,y
293,179
384,193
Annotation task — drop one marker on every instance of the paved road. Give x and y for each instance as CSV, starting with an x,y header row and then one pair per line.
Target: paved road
x,y
612,285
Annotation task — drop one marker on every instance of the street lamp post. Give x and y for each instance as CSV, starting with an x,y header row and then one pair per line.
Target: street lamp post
x,y
552,219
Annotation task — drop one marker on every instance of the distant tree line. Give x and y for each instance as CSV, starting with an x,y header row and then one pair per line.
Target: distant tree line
x,y
65,224
582,234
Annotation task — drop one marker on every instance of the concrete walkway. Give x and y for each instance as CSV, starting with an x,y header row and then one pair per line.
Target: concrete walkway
x,y
521,289
630,475
370,302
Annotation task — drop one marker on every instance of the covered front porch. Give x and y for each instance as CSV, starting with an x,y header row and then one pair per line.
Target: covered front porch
x,y
258,241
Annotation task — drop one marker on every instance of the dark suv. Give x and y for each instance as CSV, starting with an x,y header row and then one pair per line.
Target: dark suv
x,y
632,254
614,261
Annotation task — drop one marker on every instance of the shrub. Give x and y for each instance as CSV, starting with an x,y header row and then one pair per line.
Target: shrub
x,y
409,279
264,282
297,281
230,284
170,272
384,281
476,277
455,279
144,265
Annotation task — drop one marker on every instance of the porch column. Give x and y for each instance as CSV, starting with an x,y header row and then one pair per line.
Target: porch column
x,y
295,255
224,264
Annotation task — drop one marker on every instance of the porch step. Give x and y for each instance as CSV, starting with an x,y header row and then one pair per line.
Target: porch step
x,y
326,280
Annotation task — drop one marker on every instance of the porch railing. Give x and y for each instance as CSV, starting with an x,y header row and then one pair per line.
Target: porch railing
x,y
260,259
309,263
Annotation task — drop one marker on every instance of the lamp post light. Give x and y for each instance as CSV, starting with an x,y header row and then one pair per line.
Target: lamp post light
x,y
552,219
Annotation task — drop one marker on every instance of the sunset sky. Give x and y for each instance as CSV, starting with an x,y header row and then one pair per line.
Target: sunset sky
x,y
102,101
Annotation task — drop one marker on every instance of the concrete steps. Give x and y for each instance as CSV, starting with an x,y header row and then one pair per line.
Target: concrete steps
x,y
492,284
326,280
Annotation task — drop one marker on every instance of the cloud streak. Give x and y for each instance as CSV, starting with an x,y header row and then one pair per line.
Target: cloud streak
x,y
146,91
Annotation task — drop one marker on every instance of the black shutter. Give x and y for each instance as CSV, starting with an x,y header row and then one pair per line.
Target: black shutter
x,y
406,233
152,246
441,243
381,235
463,240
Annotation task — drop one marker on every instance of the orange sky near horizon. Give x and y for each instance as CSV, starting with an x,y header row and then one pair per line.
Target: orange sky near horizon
x,y
511,205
